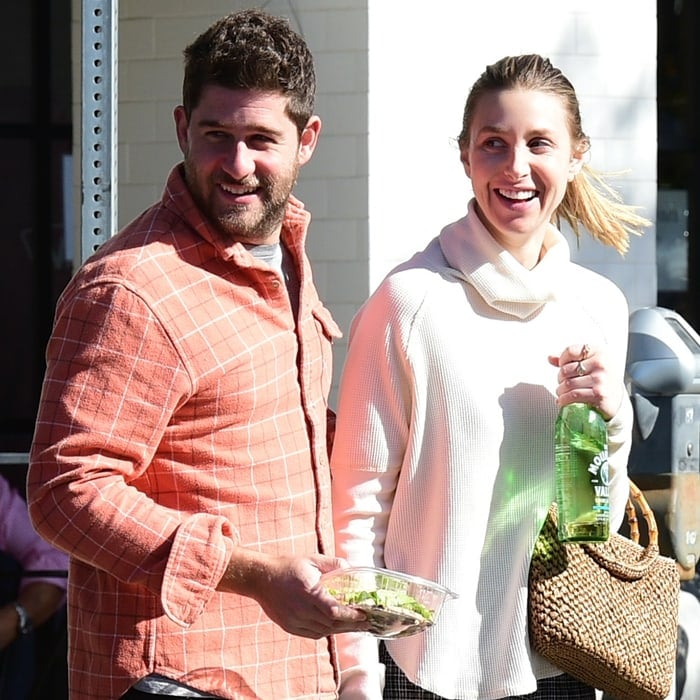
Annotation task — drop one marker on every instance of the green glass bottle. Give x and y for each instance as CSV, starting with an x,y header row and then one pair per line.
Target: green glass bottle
x,y
581,459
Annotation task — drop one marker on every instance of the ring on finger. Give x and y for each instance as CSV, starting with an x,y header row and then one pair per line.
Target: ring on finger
x,y
584,351
580,369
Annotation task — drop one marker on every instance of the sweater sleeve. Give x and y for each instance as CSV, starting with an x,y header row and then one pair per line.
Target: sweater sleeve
x,y
619,446
370,441
361,503
615,322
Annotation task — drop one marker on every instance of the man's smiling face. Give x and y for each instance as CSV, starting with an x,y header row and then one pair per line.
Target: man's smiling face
x,y
242,155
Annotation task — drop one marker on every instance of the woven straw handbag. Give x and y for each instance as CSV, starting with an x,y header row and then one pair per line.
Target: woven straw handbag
x,y
607,613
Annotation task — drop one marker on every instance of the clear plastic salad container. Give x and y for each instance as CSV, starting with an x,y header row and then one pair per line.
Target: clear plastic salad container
x,y
397,604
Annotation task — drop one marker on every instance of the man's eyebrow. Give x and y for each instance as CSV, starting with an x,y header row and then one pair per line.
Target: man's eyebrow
x,y
217,124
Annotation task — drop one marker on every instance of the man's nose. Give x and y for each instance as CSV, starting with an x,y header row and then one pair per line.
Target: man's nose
x,y
240,162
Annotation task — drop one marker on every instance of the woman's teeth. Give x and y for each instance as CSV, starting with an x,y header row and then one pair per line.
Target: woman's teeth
x,y
518,194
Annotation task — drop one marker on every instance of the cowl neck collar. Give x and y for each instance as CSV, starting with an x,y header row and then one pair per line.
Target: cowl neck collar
x,y
499,278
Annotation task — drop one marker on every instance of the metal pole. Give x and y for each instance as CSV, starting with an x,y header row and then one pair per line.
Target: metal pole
x,y
99,124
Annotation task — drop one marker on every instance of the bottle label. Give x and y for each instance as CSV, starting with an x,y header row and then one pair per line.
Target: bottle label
x,y
598,469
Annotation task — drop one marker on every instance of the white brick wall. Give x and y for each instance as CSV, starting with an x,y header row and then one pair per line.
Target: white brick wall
x,y
419,80
393,77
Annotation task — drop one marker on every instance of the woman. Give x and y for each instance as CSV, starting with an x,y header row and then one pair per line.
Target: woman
x,y
443,459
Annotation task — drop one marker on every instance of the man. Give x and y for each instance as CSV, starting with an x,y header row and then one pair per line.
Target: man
x,y
180,449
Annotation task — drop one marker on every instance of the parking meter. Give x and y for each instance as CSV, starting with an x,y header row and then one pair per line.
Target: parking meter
x,y
663,373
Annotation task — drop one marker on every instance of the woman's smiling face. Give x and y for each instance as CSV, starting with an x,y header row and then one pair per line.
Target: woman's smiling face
x,y
520,158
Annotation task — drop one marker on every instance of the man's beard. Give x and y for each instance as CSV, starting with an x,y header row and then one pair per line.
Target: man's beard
x,y
240,222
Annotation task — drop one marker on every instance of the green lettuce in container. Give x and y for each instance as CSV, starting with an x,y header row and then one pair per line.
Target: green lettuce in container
x,y
396,604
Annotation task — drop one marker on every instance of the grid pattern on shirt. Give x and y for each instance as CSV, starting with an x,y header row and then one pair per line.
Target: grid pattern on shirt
x,y
181,412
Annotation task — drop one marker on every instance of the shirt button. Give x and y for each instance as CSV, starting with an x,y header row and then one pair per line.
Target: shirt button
x,y
275,284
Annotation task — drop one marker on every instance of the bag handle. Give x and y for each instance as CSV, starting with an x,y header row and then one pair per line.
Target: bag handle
x,y
648,555
637,496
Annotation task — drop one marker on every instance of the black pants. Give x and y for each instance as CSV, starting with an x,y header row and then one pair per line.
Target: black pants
x,y
398,687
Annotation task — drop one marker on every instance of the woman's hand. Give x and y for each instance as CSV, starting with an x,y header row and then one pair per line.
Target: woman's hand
x,y
584,377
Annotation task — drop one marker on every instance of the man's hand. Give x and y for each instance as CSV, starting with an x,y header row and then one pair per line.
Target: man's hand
x,y
287,590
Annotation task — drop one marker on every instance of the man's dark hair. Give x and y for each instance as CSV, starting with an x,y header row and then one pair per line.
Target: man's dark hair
x,y
252,50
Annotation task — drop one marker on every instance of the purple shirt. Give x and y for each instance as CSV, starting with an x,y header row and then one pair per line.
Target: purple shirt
x,y
19,539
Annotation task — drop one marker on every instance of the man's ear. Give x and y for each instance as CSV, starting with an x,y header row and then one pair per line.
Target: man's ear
x,y
181,128
309,139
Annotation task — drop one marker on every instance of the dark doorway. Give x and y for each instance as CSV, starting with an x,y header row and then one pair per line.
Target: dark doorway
x,y
678,211
35,169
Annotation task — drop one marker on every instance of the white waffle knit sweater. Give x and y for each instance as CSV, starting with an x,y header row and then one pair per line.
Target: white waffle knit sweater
x,y
443,456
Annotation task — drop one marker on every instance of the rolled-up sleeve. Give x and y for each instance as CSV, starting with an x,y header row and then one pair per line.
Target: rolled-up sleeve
x,y
198,558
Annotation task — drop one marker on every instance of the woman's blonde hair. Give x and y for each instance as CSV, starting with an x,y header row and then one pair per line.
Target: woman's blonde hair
x,y
589,200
